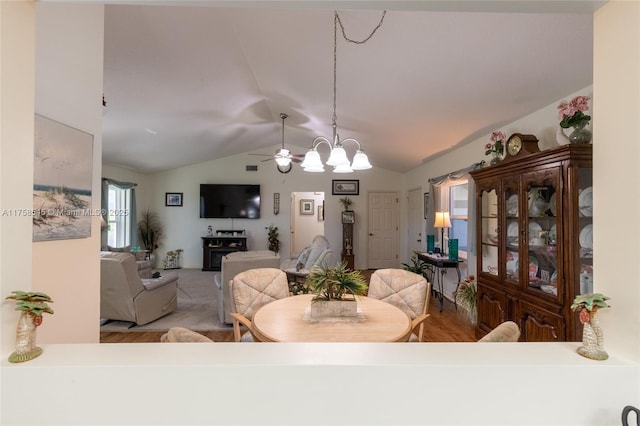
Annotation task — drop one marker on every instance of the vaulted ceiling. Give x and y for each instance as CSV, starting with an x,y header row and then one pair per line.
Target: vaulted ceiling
x,y
186,84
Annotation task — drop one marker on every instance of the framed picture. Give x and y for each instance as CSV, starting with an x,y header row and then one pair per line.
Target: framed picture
x,y
426,205
320,212
173,199
348,216
345,187
62,181
306,207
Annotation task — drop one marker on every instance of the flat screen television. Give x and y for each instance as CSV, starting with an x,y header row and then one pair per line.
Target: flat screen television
x,y
231,201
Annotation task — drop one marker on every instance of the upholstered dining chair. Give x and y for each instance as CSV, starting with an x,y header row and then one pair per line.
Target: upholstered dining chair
x,y
406,290
183,335
250,290
507,331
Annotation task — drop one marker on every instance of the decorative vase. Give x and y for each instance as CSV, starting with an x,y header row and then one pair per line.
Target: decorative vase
x,y
580,134
592,338
26,348
495,159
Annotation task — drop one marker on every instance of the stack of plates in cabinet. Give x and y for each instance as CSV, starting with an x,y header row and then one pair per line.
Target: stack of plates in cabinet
x,y
586,241
585,202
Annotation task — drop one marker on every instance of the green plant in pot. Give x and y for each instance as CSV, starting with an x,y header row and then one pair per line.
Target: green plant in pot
x,y
417,266
466,298
150,230
334,290
274,242
346,202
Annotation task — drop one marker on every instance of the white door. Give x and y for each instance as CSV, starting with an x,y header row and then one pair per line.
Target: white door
x,y
383,230
416,213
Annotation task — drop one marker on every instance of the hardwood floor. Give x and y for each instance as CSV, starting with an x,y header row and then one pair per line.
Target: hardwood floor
x,y
445,326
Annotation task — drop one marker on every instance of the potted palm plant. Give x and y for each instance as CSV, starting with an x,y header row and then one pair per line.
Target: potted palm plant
x,y
150,230
335,290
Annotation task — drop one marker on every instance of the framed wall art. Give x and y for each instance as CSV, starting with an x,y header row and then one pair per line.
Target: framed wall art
x,y
62,181
307,207
345,187
348,216
173,199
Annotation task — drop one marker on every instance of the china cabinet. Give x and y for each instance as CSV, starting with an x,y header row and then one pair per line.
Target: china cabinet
x,y
535,242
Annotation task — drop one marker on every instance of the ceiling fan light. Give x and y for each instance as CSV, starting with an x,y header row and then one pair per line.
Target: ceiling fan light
x,y
361,161
343,168
338,157
283,161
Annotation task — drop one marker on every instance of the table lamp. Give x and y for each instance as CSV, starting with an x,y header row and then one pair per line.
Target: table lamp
x,y
442,221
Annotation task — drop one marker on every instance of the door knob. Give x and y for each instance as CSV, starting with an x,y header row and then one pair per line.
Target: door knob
x,y
371,235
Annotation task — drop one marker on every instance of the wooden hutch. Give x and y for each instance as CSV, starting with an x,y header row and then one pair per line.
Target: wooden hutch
x,y
534,241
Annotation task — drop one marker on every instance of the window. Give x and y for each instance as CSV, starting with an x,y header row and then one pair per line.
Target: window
x,y
456,196
118,219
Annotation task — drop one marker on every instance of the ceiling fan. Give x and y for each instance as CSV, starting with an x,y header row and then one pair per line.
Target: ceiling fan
x,y
283,157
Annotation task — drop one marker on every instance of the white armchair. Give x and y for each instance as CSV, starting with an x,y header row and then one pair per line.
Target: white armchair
x,y
124,296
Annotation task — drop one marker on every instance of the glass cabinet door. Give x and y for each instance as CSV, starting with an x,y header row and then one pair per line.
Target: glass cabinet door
x,y
543,200
512,232
489,231
585,229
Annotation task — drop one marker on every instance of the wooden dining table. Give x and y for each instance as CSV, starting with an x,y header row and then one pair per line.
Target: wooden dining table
x,y
289,320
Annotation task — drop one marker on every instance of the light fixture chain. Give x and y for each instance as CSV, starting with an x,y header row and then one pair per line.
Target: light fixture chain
x,y
344,34
336,21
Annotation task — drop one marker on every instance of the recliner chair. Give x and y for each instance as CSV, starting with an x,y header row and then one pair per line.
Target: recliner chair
x,y
124,296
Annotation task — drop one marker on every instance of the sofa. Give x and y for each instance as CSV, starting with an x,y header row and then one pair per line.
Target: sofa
x,y
124,296
232,264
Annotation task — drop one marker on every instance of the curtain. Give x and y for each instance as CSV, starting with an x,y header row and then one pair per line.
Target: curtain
x,y
133,223
439,182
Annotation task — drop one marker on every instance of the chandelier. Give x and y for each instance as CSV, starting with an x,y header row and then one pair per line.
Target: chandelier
x,y
338,156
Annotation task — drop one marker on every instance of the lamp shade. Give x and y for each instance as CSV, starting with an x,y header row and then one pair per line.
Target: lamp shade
x,y
442,220
312,162
360,161
337,157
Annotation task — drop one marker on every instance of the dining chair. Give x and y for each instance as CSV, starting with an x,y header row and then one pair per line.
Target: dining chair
x,y
250,290
183,335
407,291
507,331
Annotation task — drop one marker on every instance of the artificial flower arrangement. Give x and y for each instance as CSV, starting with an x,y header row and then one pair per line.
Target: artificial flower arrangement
x,y
497,145
572,114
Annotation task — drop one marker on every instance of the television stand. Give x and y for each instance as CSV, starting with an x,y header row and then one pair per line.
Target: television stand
x,y
214,248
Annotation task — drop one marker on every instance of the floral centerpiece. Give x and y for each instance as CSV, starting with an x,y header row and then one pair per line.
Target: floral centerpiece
x,y
496,147
587,306
572,115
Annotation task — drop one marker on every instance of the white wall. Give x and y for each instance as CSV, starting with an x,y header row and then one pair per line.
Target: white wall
x,y
616,188
184,226
17,32
69,90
